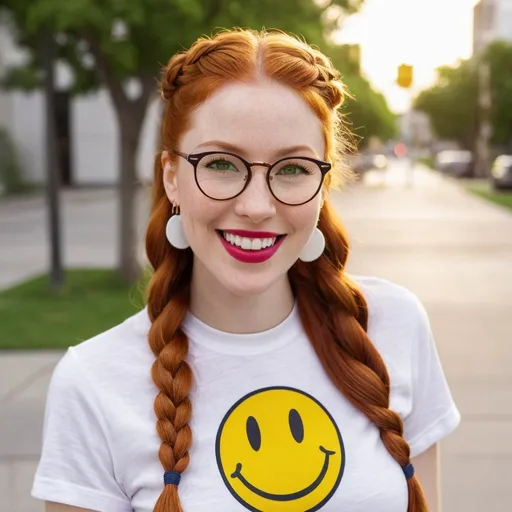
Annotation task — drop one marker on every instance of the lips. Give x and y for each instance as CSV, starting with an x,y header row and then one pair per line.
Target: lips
x,y
250,255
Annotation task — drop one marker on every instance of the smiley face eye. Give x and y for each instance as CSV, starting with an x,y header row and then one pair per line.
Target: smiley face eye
x,y
253,433
296,426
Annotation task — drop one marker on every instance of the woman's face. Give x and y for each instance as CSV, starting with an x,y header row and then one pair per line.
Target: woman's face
x,y
261,122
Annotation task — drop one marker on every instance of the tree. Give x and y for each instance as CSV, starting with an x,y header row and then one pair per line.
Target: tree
x,y
366,110
452,103
499,55
132,39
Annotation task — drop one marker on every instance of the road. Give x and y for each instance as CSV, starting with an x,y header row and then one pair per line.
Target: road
x,y
452,249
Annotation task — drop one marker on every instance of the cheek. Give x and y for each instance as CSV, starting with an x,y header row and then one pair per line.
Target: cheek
x,y
195,207
200,216
304,219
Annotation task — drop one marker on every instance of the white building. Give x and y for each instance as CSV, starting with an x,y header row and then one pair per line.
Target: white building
x,y
87,129
492,21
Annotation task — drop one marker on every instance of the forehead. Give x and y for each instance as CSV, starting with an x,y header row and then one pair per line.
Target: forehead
x,y
261,118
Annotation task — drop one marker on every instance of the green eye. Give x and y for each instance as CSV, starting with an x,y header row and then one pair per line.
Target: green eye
x,y
222,165
292,170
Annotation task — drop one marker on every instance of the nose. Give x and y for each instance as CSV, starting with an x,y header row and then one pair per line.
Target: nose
x,y
256,202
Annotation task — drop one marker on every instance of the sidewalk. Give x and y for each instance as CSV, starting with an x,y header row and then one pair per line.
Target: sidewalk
x,y
24,379
450,248
89,230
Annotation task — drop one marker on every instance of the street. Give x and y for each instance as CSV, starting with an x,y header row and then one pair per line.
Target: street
x,y
450,248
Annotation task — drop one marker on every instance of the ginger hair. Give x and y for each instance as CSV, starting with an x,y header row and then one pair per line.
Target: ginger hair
x,y
331,305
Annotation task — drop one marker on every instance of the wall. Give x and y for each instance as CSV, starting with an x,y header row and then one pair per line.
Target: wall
x,y
93,126
95,147
503,22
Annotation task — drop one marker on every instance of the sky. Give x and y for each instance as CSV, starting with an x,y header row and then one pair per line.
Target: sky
x,y
423,33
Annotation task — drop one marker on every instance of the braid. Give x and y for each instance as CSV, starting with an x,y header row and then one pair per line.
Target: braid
x,y
205,58
170,371
351,360
171,75
328,81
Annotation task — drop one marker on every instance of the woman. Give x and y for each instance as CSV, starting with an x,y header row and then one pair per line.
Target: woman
x,y
277,382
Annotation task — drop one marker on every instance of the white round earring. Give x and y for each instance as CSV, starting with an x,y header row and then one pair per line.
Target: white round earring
x,y
174,230
314,248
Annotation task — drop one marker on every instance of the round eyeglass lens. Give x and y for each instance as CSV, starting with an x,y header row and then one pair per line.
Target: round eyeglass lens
x,y
295,181
221,176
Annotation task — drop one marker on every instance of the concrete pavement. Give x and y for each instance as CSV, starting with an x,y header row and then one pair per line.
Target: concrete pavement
x,y
452,249
89,219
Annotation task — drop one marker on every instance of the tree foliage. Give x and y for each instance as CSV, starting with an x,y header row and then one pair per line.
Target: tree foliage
x,y
107,42
452,103
133,38
499,55
365,110
136,37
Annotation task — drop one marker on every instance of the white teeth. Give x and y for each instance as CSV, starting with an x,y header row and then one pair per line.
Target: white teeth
x,y
249,244
256,244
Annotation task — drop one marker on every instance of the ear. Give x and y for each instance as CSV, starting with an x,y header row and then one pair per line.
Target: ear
x,y
170,179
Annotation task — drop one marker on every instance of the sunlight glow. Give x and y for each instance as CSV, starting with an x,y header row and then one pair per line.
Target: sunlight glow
x,y
424,33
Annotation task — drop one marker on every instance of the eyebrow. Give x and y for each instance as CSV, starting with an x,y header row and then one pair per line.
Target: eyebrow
x,y
232,148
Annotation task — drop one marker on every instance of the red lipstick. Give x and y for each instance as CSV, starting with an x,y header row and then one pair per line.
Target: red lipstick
x,y
250,256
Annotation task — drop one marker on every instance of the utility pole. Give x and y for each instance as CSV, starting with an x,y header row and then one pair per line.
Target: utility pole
x,y
52,165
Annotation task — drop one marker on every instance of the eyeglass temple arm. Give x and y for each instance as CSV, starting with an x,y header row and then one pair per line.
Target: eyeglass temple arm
x,y
179,153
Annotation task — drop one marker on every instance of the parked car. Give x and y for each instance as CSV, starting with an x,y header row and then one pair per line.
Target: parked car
x,y
501,172
457,163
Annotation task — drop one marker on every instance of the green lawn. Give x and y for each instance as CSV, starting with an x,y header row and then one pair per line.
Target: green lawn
x,y
503,198
32,317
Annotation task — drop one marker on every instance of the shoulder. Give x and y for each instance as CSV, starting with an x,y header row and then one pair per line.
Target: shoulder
x,y
398,323
113,355
389,302
125,336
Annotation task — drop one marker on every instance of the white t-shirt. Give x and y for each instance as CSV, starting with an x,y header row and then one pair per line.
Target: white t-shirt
x,y
270,430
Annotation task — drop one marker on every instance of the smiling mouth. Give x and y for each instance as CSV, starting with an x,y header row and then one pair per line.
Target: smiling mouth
x,y
286,497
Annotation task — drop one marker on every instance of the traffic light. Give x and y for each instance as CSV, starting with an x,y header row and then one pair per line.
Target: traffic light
x,y
405,75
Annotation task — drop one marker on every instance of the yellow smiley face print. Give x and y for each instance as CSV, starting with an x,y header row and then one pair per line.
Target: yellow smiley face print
x,y
278,449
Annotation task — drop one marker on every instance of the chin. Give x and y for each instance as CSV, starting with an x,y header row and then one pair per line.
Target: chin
x,y
247,284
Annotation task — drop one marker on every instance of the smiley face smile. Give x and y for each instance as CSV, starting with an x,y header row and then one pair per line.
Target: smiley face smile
x,y
291,496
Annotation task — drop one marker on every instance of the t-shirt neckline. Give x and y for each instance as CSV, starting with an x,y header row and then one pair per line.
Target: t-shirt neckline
x,y
271,339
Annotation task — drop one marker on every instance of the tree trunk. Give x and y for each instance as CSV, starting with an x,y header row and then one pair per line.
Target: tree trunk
x,y
130,117
52,165
129,130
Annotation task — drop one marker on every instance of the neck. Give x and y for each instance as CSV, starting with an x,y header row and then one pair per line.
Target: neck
x,y
239,314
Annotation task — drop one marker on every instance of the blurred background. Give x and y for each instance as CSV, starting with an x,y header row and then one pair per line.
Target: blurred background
x,y
430,207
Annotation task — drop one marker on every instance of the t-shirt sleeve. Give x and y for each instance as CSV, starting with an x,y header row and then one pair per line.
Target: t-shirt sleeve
x,y
76,466
434,414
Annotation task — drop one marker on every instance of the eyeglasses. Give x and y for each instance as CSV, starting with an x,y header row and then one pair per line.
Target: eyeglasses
x,y
222,176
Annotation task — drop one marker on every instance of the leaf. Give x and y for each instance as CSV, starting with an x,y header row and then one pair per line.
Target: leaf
x,y
25,78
